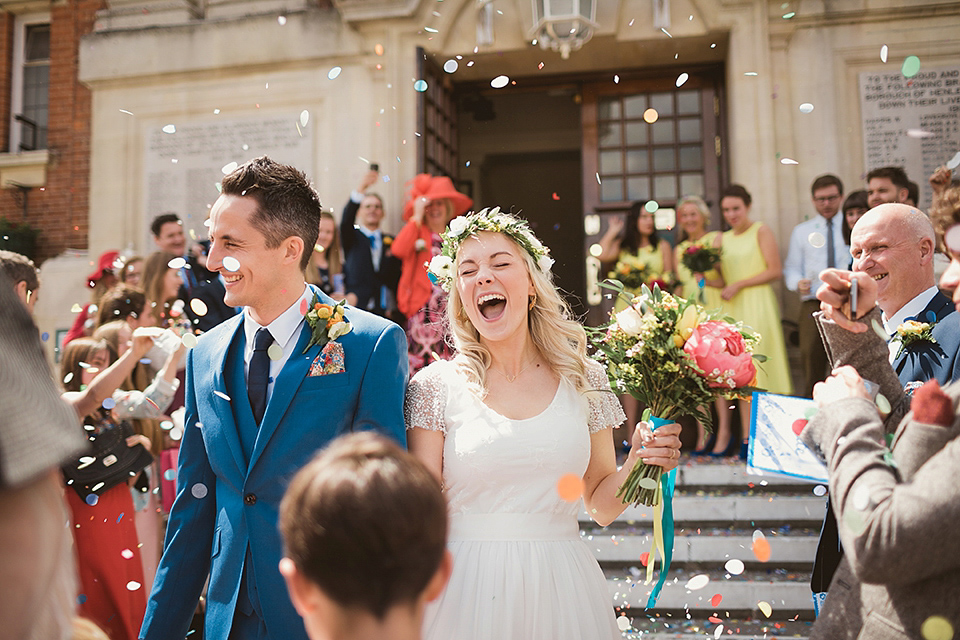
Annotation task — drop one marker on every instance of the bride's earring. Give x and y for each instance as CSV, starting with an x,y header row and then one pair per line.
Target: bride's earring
x,y
533,302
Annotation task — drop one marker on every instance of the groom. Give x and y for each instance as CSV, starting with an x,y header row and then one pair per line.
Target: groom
x,y
258,405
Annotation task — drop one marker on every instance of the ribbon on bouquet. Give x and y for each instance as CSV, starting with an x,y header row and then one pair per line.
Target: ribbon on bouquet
x,y
663,527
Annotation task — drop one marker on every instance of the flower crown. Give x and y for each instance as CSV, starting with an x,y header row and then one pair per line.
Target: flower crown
x,y
440,269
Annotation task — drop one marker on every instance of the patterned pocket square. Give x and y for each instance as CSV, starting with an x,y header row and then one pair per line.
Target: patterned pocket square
x,y
329,361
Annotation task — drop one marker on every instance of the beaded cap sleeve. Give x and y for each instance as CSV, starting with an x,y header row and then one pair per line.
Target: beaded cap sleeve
x,y
605,410
426,400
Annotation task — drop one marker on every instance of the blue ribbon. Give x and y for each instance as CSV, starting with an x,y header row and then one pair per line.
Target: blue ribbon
x,y
667,484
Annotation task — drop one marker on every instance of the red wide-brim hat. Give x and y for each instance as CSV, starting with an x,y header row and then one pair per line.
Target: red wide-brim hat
x,y
436,188
106,263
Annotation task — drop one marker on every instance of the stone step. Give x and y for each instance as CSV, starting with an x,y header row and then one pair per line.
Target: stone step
x,y
748,510
707,548
669,628
787,594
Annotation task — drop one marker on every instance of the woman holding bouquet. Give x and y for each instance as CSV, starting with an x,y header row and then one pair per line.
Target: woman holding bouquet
x,y
749,263
517,414
693,216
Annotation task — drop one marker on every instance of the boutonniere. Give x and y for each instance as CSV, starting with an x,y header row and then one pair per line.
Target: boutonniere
x,y
326,322
387,241
912,332
420,245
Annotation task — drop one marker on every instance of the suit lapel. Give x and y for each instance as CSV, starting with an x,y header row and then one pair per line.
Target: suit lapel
x,y
917,364
229,342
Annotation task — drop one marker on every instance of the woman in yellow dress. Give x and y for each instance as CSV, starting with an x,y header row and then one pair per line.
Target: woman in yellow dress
x,y
635,242
749,263
693,216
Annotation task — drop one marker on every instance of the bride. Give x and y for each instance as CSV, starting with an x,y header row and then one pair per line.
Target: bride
x,y
520,408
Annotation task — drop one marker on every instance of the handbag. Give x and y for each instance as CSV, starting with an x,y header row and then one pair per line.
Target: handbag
x,y
109,462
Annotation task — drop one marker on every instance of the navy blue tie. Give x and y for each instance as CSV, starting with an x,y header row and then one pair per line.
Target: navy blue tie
x,y
259,373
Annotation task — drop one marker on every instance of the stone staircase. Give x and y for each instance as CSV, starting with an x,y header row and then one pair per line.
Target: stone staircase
x,y
719,512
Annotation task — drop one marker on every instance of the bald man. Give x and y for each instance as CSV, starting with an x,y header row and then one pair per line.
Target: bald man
x,y
894,244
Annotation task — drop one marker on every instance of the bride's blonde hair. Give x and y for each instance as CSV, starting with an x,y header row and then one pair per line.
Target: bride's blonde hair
x,y
559,338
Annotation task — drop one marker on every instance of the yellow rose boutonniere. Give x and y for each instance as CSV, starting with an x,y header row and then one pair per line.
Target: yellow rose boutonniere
x,y
327,323
911,332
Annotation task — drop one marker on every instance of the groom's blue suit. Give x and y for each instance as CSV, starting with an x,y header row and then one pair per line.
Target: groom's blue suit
x,y
230,486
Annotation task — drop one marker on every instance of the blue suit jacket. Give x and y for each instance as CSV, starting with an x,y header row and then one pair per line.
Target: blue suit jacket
x,y
225,502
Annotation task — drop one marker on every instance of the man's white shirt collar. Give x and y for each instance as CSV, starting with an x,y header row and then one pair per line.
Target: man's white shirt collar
x,y
912,309
284,328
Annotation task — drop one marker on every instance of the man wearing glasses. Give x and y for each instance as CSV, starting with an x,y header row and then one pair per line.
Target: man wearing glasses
x,y
815,244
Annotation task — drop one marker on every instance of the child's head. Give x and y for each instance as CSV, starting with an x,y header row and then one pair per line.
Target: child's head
x,y
365,527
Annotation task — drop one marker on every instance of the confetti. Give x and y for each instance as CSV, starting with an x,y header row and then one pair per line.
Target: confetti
x,y
716,600
878,329
231,264
199,490
765,608
304,118
281,20
109,403
44,336
570,487
816,240
761,549
228,168
92,499
166,425
647,483
198,306
76,308
698,582
652,206
170,128
806,107
936,628
718,632
650,115
420,85
67,378
788,15
303,307
133,585
189,340
623,623
883,404
683,77
275,352
378,49
883,54
819,491
221,394
170,475
911,66
500,82
451,66
954,162
126,554
177,263
334,73
788,161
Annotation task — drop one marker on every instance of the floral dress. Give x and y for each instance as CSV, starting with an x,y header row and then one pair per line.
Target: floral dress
x,y
427,328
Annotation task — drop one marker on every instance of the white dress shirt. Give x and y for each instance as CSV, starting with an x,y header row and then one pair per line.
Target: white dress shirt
x,y
806,261
285,330
913,308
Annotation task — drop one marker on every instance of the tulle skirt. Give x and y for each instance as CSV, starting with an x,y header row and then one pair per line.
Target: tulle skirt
x,y
521,576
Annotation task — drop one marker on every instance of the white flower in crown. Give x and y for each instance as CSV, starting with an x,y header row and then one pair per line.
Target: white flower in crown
x,y
458,225
544,263
441,266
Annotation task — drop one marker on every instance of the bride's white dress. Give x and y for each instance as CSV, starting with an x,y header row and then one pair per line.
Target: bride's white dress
x,y
520,569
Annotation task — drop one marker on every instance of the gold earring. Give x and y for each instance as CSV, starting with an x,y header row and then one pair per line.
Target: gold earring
x,y
533,302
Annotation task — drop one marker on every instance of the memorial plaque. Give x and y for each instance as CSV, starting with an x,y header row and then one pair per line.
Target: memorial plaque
x,y
911,122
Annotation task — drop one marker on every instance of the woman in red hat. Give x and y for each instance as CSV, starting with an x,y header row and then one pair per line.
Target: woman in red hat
x,y
432,203
101,281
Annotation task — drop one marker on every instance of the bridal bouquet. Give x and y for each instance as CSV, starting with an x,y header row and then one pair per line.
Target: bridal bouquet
x,y
700,259
631,275
675,358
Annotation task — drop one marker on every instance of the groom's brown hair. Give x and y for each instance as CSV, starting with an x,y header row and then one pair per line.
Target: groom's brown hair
x,y
366,522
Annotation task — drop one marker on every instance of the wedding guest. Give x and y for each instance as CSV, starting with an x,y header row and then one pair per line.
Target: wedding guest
x,y
124,302
520,407
325,268
99,281
637,243
896,579
431,204
853,209
24,275
364,573
132,271
750,262
161,284
371,270
38,432
693,217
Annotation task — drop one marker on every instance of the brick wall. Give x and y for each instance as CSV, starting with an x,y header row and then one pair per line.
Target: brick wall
x,y
60,210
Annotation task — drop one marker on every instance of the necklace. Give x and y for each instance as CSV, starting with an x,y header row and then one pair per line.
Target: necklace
x,y
514,377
